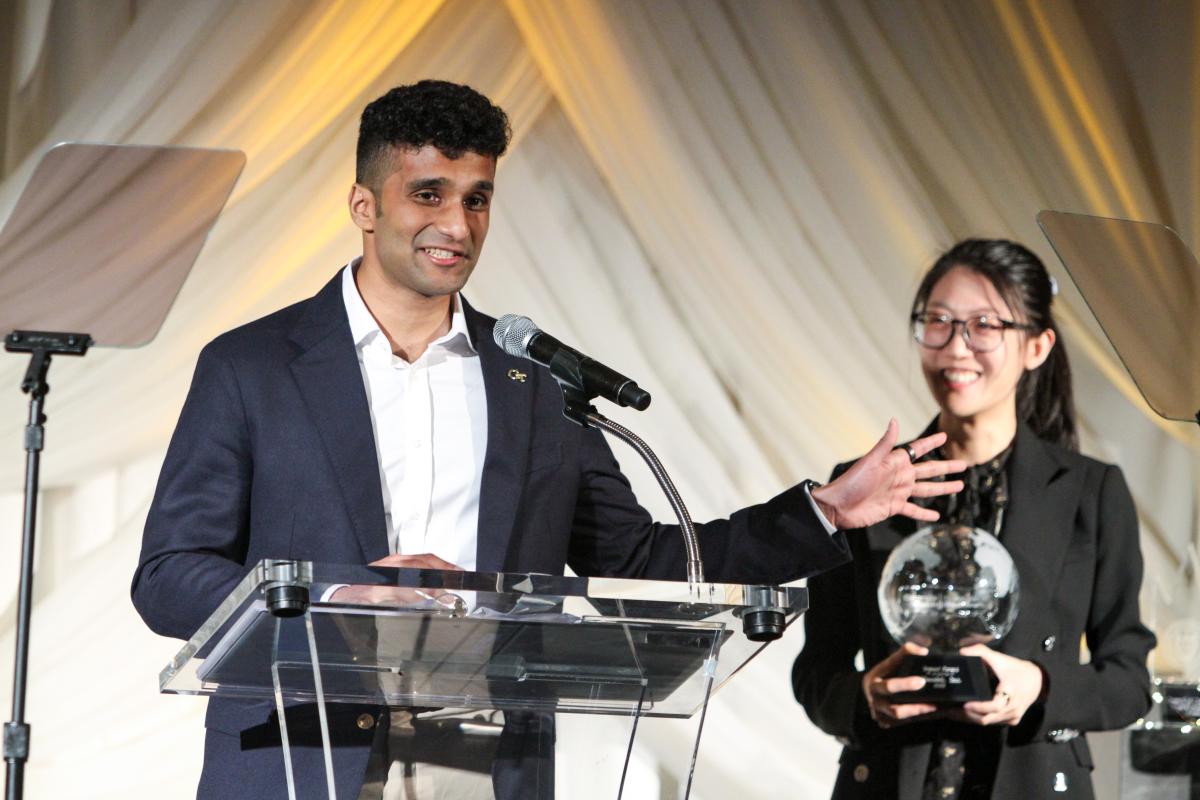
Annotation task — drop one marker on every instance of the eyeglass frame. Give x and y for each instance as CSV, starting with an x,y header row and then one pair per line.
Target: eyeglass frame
x,y
1003,324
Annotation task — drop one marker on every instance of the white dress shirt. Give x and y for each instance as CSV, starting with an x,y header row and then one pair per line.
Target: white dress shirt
x,y
430,424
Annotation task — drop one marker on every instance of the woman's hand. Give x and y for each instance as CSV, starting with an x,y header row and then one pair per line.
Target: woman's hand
x,y
1020,686
879,686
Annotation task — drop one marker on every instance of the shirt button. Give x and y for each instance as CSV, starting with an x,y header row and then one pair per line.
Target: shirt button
x,y
861,773
365,722
1048,643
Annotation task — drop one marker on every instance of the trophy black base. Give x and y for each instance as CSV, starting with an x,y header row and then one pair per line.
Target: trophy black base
x,y
949,679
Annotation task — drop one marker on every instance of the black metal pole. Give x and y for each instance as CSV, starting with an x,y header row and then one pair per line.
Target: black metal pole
x,y
40,345
16,732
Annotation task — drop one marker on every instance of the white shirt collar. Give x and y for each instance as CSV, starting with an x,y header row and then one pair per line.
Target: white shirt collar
x,y
364,329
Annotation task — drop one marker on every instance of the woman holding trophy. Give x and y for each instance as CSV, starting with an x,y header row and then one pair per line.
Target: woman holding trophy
x,y
994,363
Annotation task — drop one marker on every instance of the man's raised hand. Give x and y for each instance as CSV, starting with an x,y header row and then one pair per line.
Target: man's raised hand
x,y
882,483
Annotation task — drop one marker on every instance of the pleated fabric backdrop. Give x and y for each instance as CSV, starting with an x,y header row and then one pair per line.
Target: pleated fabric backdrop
x,y
731,200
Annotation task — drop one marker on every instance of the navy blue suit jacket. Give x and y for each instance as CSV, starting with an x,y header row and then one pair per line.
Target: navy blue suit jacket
x,y
274,457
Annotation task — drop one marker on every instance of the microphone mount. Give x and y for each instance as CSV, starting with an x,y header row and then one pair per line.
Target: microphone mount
x,y
577,407
581,380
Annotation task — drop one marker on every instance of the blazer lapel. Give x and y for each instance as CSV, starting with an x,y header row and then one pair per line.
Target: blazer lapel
x,y
911,769
330,381
1044,496
511,384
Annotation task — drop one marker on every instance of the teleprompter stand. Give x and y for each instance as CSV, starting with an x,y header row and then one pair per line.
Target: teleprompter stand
x,y
111,266
1142,283
41,346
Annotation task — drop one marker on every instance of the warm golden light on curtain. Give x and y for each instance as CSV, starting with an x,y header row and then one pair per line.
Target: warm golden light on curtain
x,y
730,199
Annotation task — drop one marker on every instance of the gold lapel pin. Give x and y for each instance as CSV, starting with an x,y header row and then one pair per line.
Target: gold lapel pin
x,y
517,375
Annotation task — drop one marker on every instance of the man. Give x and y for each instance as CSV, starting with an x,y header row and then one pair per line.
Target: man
x,y
378,423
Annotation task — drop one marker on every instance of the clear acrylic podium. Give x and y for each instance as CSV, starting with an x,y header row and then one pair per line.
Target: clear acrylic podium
x,y
513,642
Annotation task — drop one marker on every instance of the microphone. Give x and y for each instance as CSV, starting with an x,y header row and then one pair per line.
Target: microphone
x,y
518,336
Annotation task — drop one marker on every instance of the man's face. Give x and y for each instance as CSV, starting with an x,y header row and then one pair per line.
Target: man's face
x,y
429,220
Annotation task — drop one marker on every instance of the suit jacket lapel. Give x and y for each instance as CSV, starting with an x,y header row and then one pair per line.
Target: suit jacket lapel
x,y
511,384
330,381
1044,496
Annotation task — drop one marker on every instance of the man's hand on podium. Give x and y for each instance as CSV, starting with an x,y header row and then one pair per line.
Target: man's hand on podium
x,y
882,483
359,594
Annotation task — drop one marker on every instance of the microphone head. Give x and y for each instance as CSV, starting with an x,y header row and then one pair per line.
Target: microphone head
x,y
512,334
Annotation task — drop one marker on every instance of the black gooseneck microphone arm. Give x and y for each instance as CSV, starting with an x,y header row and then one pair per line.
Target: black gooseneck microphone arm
x,y
577,407
583,379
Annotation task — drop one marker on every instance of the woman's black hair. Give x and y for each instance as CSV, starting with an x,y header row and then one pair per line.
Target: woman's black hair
x,y
1044,397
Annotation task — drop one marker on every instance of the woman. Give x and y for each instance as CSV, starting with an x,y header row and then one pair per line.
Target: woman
x,y
991,355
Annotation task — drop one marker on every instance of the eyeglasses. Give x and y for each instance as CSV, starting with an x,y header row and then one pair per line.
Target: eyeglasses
x,y
981,334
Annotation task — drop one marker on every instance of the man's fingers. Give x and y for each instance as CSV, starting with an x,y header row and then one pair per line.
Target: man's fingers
x,y
885,445
934,469
927,443
914,511
935,488
417,561
360,594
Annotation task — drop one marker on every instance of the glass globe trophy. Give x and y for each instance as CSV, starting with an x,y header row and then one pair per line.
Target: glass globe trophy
x,y
947,587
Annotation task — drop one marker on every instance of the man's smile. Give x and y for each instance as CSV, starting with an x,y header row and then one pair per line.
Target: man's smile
x,y
441,256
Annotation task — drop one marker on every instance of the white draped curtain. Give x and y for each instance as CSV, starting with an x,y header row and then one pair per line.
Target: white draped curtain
x,y
731,200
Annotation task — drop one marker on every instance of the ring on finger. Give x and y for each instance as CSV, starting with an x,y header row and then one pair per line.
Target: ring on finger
x,y
912,454
1007,697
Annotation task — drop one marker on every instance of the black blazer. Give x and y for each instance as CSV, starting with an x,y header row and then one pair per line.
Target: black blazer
x,y
274,457
1072,531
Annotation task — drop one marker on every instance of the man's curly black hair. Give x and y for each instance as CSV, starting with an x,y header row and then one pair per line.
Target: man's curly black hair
x,y
453,118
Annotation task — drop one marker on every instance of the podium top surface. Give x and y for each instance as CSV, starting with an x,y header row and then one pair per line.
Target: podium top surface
x,y
435,638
